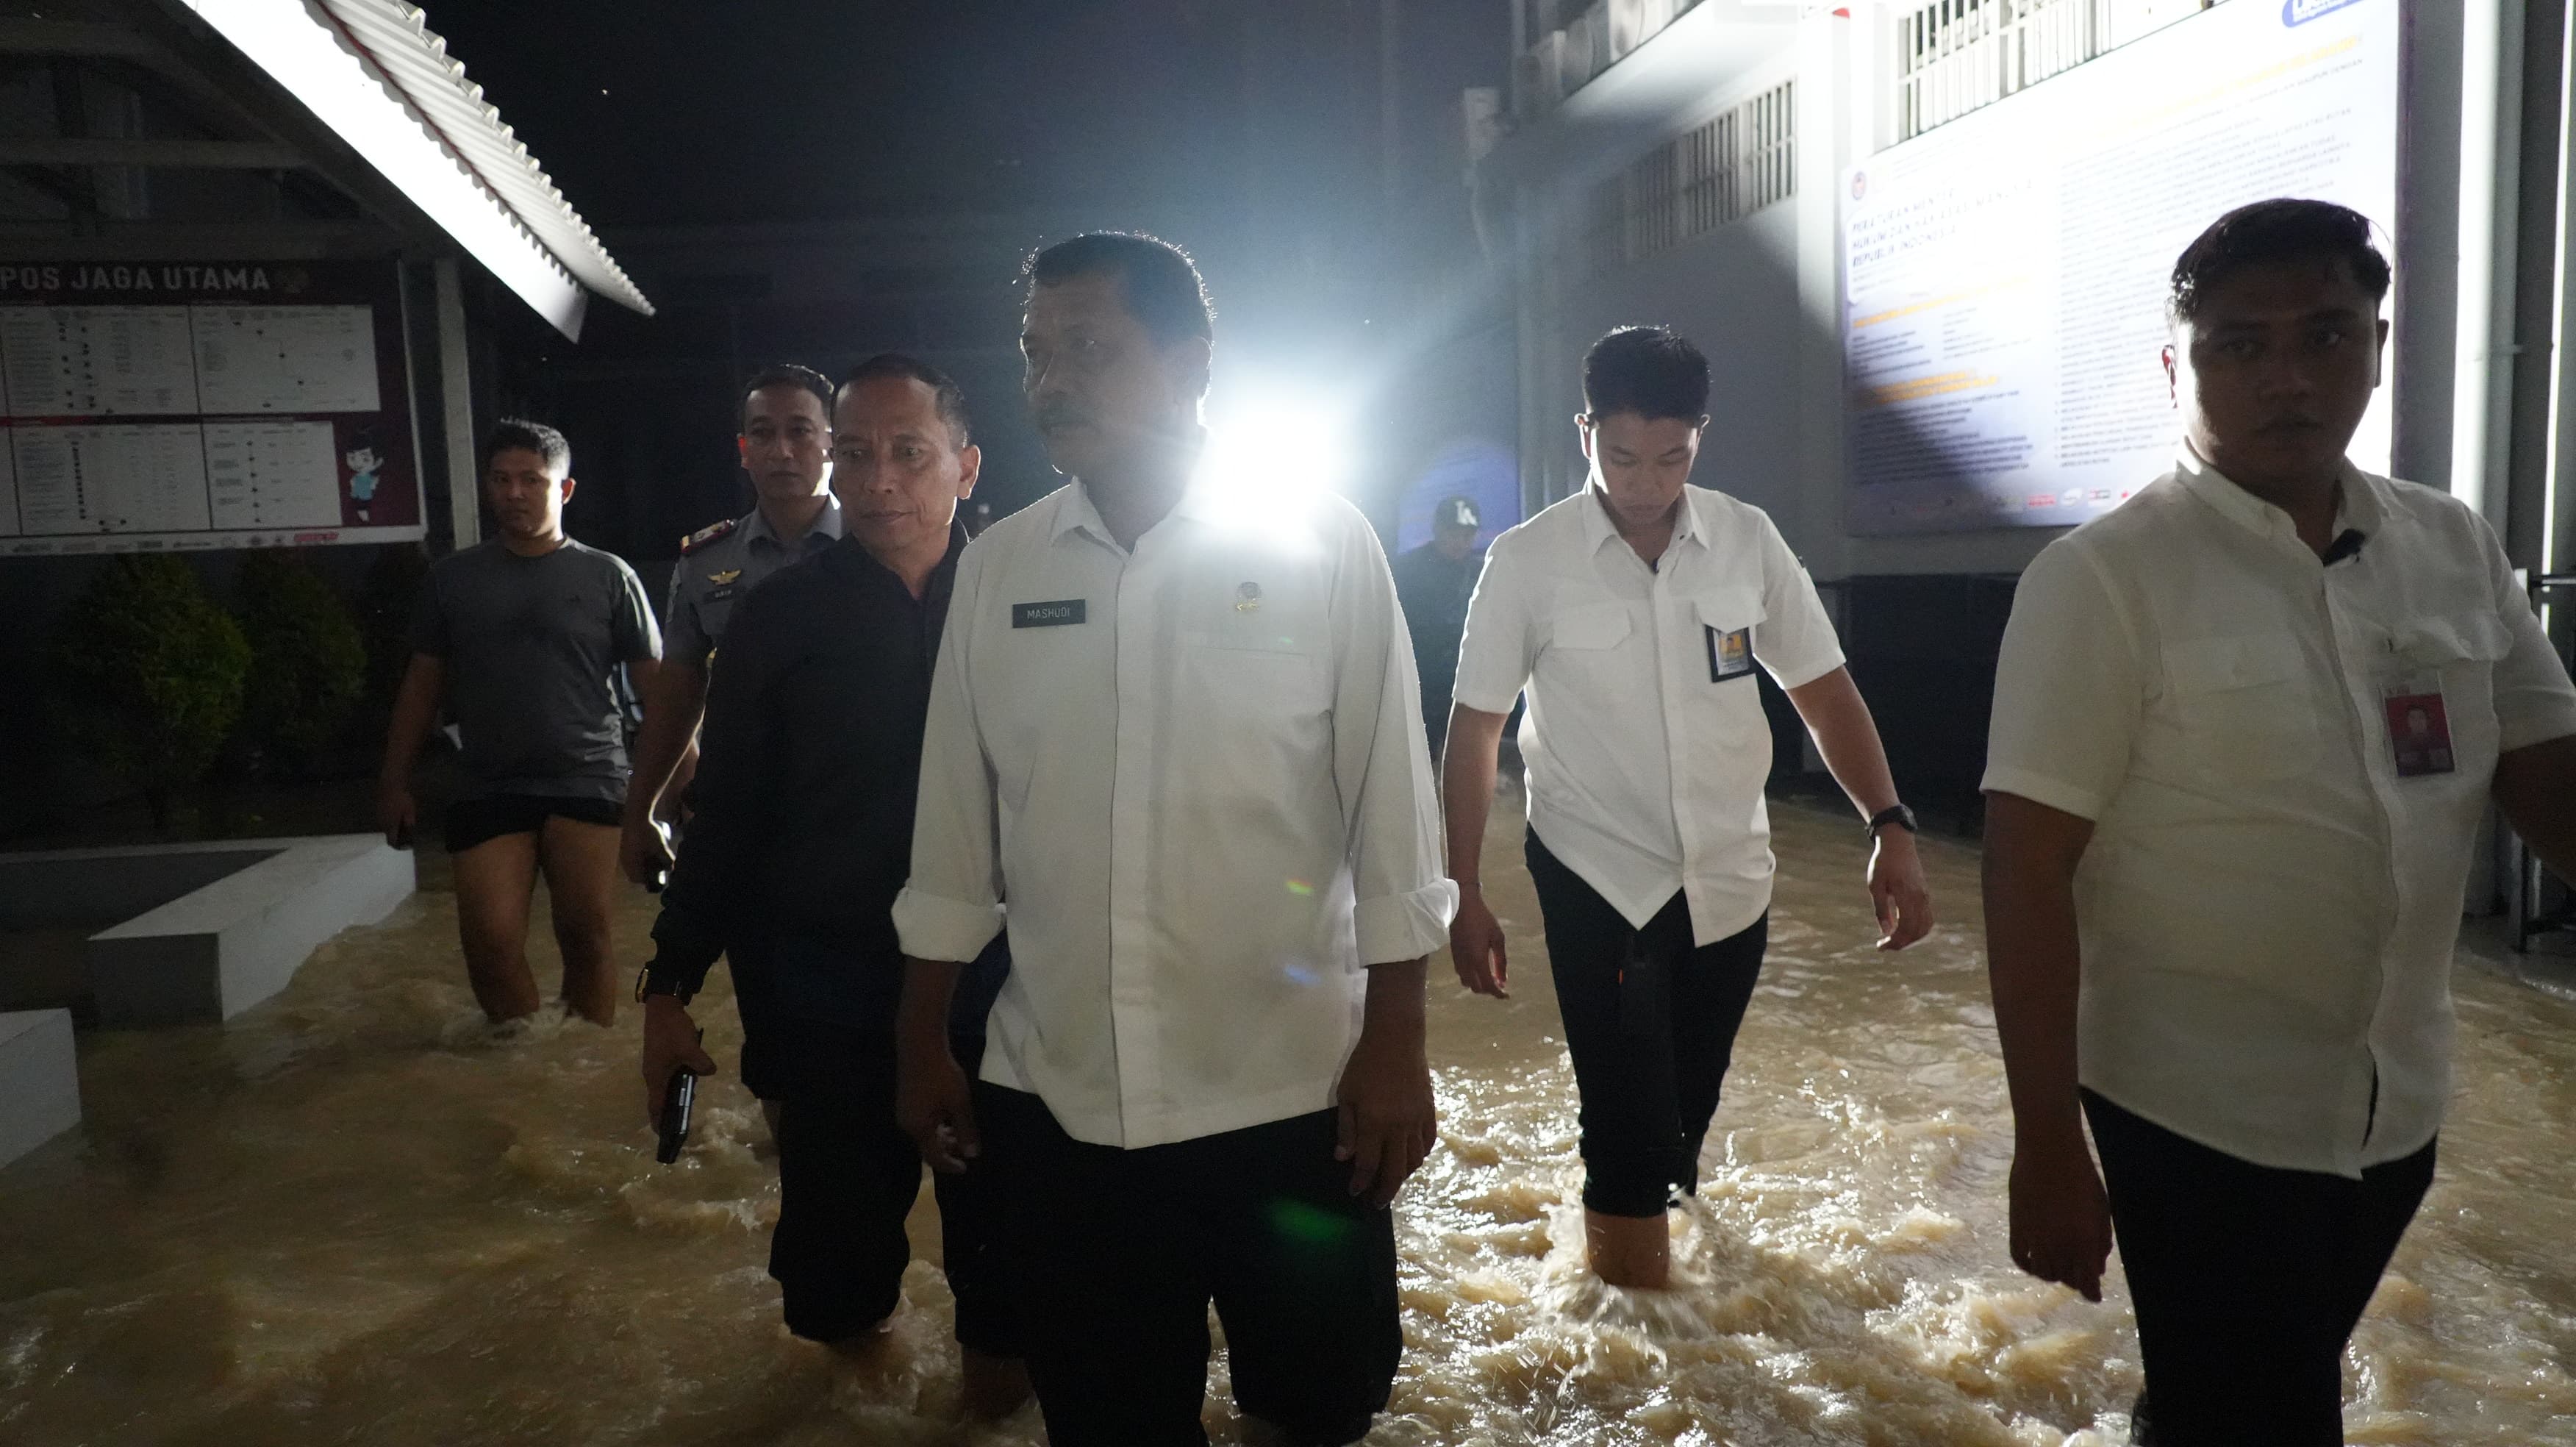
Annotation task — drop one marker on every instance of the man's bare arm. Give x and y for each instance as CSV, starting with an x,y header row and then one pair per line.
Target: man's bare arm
x,y
2061,1227
675,699
1387,1120
1838,718
1847,736
934,1101
1467,797
415,710
673,705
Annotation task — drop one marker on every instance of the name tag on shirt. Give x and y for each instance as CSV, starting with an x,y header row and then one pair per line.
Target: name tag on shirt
x,y
1730,652
2419,729
1047,615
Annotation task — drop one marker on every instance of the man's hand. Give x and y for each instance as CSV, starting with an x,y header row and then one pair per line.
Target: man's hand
x,y
643,849
1388,1121
934,1103
2061,1219
396,814
1476,946
1897,892
670,1046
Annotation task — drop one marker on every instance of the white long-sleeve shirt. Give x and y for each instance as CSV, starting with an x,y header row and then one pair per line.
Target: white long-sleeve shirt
x,y
1196,773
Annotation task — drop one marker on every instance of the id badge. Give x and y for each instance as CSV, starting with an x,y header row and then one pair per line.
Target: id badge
x,y
2419,729
1730,653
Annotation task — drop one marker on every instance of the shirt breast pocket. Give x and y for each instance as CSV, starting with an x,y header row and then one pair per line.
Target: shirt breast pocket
x,y
2245,705
2459,651
1266,660
1586,636
1726,623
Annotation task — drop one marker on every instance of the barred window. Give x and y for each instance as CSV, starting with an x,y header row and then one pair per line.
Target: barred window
x,y
1708,177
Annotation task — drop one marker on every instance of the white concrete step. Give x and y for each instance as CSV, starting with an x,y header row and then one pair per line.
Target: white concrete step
x,y
39,1080
202,932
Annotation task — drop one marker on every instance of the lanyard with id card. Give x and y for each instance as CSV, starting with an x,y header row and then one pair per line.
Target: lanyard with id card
x,y
2419,728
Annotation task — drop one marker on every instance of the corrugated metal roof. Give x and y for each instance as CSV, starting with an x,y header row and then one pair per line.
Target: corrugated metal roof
x,y
395,38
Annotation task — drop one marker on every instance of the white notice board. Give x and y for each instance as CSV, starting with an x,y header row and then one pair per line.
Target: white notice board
x,y
2004,275
193,405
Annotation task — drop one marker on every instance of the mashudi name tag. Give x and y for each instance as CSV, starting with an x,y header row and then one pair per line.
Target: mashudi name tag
x,y
1047,615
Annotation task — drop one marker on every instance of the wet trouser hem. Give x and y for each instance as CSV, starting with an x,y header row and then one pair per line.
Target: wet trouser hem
x,y
1117,1255
848,1178
1650,1023
2247,1279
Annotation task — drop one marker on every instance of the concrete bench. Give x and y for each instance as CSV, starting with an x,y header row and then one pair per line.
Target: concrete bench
x,y
202,932
39,1080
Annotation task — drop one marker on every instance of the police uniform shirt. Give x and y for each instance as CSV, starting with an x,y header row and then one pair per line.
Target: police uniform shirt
x,y
724,562
1646,742
1197,773
2270,900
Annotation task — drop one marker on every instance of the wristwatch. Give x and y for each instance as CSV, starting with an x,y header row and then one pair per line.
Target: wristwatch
x,y
1896,814
645,985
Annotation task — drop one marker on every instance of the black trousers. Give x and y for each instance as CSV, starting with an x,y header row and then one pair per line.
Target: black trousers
x,y
1116,1255
848,1176
2247,1279
1650,1020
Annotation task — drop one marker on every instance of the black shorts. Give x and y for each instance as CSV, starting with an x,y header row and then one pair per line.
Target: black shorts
x,y
480,821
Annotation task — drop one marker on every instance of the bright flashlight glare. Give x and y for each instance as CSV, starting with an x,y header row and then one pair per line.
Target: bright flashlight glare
x,y
1271,447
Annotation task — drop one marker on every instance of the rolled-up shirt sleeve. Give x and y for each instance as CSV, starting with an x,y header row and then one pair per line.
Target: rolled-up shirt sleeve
x,y
1382,765
2069,688
951,907
1494,656
2534,701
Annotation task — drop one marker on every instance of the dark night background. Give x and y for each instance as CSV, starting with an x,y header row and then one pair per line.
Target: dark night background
x,y
815,181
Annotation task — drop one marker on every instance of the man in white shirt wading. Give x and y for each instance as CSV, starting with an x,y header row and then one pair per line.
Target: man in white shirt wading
x,y
1175,728
1634,613
2223,875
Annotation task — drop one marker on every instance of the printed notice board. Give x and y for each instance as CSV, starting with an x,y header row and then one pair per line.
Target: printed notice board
x,y
156,405
2004,275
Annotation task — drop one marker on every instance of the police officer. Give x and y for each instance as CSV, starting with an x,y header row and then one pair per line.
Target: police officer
x,y
1434,582
786,447
802,836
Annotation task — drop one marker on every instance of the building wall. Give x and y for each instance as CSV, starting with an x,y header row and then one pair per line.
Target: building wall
x,y
1734,292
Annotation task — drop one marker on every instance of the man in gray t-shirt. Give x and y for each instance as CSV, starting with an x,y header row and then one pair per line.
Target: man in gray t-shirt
x,y
522,636
531,644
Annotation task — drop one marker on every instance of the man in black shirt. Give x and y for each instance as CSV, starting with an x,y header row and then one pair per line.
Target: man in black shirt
x,y
1433,583
801,840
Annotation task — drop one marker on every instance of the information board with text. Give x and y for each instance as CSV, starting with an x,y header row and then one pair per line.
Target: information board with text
x,y
157,405
2004,276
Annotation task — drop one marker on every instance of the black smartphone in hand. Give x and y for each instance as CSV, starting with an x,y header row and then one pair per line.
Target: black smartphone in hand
x,y
679,1099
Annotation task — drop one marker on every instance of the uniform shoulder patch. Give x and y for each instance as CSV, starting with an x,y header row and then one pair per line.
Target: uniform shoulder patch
x,y
707,534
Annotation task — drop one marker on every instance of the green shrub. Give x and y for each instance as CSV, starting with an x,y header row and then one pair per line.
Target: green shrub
x,y
308,660
148,674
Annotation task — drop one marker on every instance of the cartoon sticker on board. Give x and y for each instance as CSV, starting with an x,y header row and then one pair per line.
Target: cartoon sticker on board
x,y
364,461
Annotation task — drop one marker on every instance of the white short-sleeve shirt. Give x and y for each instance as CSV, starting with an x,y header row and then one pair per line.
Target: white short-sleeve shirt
x,y
1645,740
2268,907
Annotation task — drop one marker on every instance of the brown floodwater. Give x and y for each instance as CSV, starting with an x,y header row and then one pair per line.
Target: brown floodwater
x,y
354,1215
